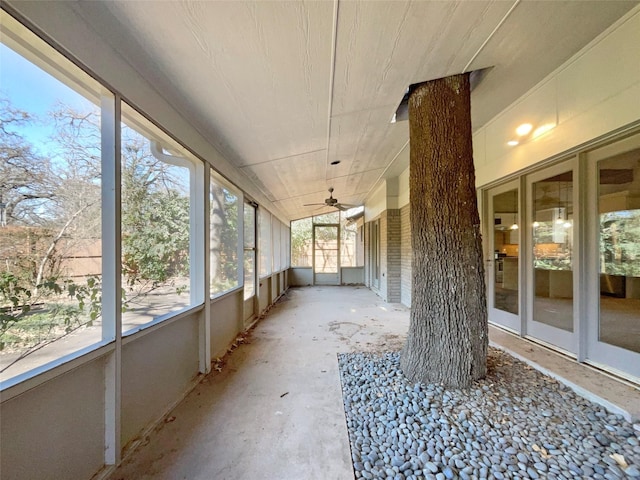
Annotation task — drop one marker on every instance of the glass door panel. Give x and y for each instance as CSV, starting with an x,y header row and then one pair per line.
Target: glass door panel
x,y
326,255
551,264
614,226
503,262
619,241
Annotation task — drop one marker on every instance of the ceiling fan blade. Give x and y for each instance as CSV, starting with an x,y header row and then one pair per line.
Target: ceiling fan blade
x,y
344,206
313,204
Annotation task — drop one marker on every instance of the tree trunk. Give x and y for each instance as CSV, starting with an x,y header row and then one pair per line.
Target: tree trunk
x,y
448,335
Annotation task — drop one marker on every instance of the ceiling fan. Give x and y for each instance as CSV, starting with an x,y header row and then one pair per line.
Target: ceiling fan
x,y
331,202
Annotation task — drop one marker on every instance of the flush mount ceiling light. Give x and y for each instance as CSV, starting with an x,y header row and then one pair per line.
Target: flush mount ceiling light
x,y
527,132
524,129
335,162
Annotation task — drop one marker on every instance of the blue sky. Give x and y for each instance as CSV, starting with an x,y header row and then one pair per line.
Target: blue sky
x,y
33,90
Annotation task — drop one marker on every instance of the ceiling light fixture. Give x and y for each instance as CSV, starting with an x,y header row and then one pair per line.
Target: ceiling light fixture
x,y
335,162
512,143
542,129
524,129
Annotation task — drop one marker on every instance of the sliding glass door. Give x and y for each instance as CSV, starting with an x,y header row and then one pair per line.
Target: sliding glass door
x,y
614,255
552,258
563,264
503,259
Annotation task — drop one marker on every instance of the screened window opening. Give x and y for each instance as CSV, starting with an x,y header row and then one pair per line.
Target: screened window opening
x,y
277,263
348,243
156,212
264,242
302,243
284,246
223,236
50,205
249,251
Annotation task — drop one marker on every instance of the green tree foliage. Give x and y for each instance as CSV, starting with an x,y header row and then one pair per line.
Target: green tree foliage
x,y
301,236
155,217
224,237
620,243
155,245
155,235
51,209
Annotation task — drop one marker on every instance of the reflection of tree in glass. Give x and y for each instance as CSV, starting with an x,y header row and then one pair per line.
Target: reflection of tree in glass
x,y
620,243
552,249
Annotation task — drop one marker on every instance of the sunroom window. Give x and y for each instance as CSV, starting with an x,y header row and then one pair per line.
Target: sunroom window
x,y
225,225
50,207
158,204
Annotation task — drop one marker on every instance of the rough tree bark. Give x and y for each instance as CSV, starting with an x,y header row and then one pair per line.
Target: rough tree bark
x,y
448,337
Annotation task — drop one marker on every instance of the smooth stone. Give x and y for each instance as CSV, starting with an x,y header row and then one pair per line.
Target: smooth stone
x,y
632,471
432,467
602,439
542,467
449,473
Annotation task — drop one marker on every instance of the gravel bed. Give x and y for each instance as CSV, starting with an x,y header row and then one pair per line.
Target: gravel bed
x,y
515,423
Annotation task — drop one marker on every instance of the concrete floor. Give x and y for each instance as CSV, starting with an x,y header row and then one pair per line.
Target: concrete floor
x,y
275,410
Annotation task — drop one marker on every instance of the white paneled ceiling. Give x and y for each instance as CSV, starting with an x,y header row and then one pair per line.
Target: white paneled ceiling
x,y
283,88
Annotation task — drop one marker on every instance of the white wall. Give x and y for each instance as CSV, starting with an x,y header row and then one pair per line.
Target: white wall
x,y
376,203
596,92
